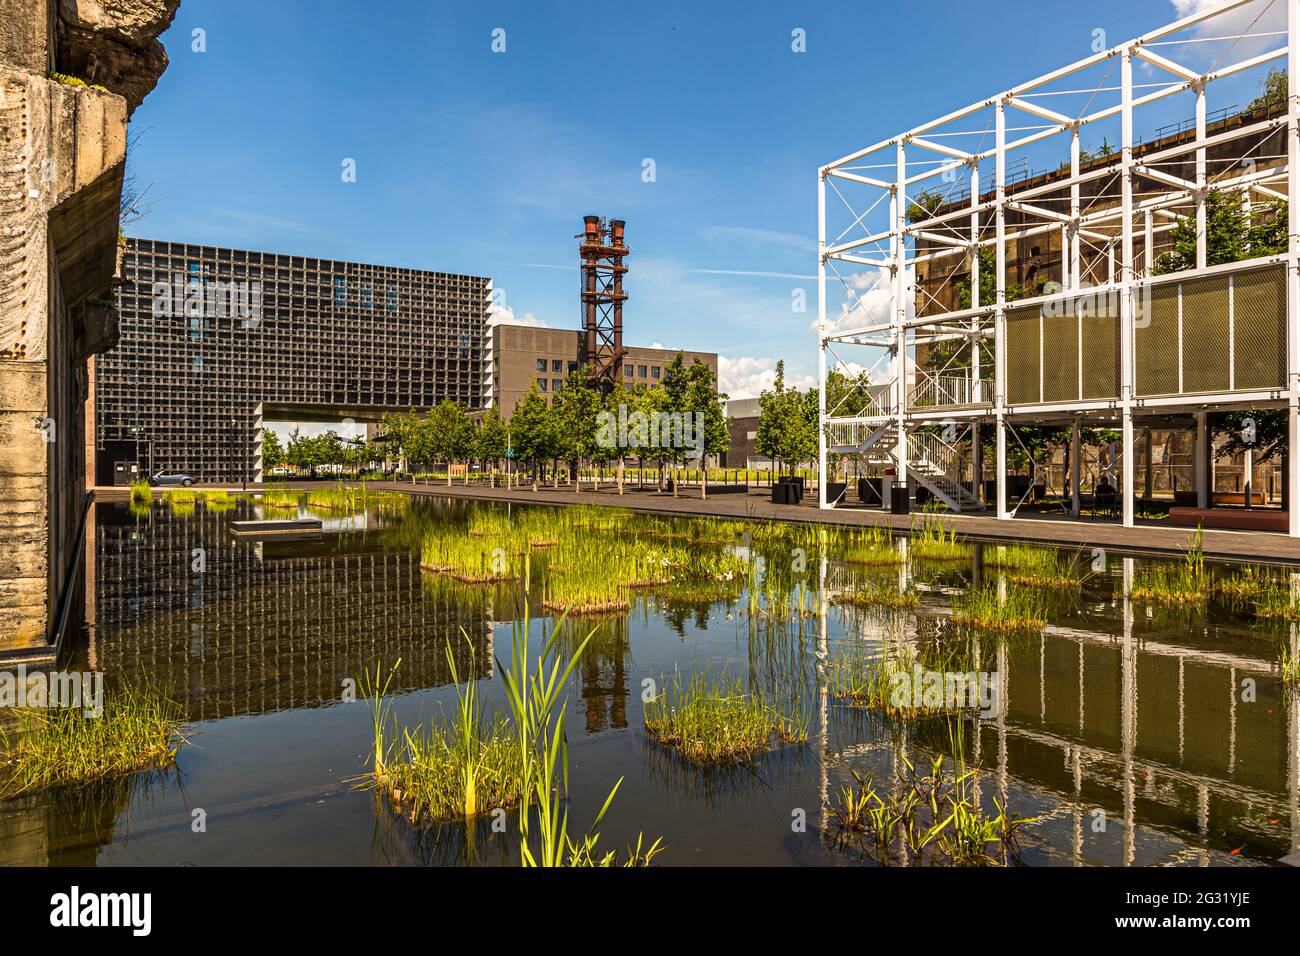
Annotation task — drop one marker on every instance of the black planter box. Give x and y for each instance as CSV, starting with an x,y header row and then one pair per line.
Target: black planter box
x,y
899,501
836,490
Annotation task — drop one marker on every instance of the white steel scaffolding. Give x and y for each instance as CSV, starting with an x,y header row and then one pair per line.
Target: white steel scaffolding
x,y
1104,327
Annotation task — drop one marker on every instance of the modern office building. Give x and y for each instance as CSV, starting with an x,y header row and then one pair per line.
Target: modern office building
x,y
216,341
517,355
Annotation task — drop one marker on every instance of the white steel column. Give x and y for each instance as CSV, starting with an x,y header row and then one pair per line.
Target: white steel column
x,y
821,340
1201,252
1126,280
976,390
900,309
1293,265
1000,316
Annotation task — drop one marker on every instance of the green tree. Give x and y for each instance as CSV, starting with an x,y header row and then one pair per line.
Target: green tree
x,y
451,435
705,402
576,408
273,454
533,432
490,442
785,433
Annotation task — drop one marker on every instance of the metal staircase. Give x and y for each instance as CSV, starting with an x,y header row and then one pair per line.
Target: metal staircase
x,y
931,462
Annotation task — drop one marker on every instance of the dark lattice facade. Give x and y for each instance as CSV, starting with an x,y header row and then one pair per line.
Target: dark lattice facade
x,y
214,341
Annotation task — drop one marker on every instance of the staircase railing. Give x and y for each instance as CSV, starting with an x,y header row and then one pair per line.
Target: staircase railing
x,y
933,390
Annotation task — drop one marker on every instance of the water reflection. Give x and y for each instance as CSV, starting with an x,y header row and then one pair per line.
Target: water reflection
x,y
1137,735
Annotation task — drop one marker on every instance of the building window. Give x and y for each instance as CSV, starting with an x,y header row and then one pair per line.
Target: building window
x,y
541,365
654,372
573,366
391,298
541,383
640,371
557,365
557,384
366,296
340,292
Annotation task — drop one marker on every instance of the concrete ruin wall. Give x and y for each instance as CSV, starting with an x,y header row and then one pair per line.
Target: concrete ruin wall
x,y
62,155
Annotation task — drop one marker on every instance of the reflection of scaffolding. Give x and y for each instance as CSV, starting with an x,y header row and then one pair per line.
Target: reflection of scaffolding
x,y
1043,301
1092,774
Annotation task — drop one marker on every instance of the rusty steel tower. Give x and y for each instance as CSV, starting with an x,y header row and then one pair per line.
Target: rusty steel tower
x,y
602,253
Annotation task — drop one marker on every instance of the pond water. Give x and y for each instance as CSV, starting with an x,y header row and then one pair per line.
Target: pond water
x,y
1135,735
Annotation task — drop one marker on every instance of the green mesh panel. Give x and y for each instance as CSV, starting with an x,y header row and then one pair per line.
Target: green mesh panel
x,y
1100,356
1259,328
1061,356
1155,337
1022,356
1205,334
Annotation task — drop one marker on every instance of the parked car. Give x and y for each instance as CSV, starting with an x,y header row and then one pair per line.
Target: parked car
x,y
171,478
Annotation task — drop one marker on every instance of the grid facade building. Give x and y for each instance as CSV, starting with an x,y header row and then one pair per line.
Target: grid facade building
x,y
215,341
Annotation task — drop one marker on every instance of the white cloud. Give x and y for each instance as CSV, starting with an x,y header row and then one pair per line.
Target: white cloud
x,y
748,376
1260,16
868,299
504,315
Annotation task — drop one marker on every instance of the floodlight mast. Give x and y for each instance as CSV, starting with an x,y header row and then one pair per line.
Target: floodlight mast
x,y
1112,266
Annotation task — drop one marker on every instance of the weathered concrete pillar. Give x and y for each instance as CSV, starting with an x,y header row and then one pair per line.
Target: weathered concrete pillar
x,y
62,153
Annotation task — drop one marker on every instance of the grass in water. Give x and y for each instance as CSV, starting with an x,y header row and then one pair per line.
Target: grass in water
x,y
987,609
180,501
933,542
869,546
936,816
63,746
1029,566
877,595
1277,603
449,771
716,721
141,491
1290,666
1175,585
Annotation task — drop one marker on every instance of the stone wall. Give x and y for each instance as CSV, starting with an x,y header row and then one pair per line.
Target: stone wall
x,y
62,155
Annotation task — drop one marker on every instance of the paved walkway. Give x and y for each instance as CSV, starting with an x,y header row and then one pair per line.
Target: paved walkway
x,y
1056,529
1061,530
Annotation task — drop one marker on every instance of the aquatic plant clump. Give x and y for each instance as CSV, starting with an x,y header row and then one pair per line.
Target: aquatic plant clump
x,y
1030,566
137,731
141,491
717,721
869,546
988,609
936,816
934,542
1175,585
875,595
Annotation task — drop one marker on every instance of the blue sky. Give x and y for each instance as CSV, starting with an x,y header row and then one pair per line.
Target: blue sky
x,y
480,162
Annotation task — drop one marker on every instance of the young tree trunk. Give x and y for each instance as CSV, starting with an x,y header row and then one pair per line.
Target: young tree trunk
x,y
537,470
704,478
620,474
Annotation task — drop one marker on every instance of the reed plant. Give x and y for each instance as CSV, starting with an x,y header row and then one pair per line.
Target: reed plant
x,y
1029,566
933,541
935,816
141,491
869,546
1277,603
281,498
447,771
711,721
987,608
534,685
1175,585
870,594
138,730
